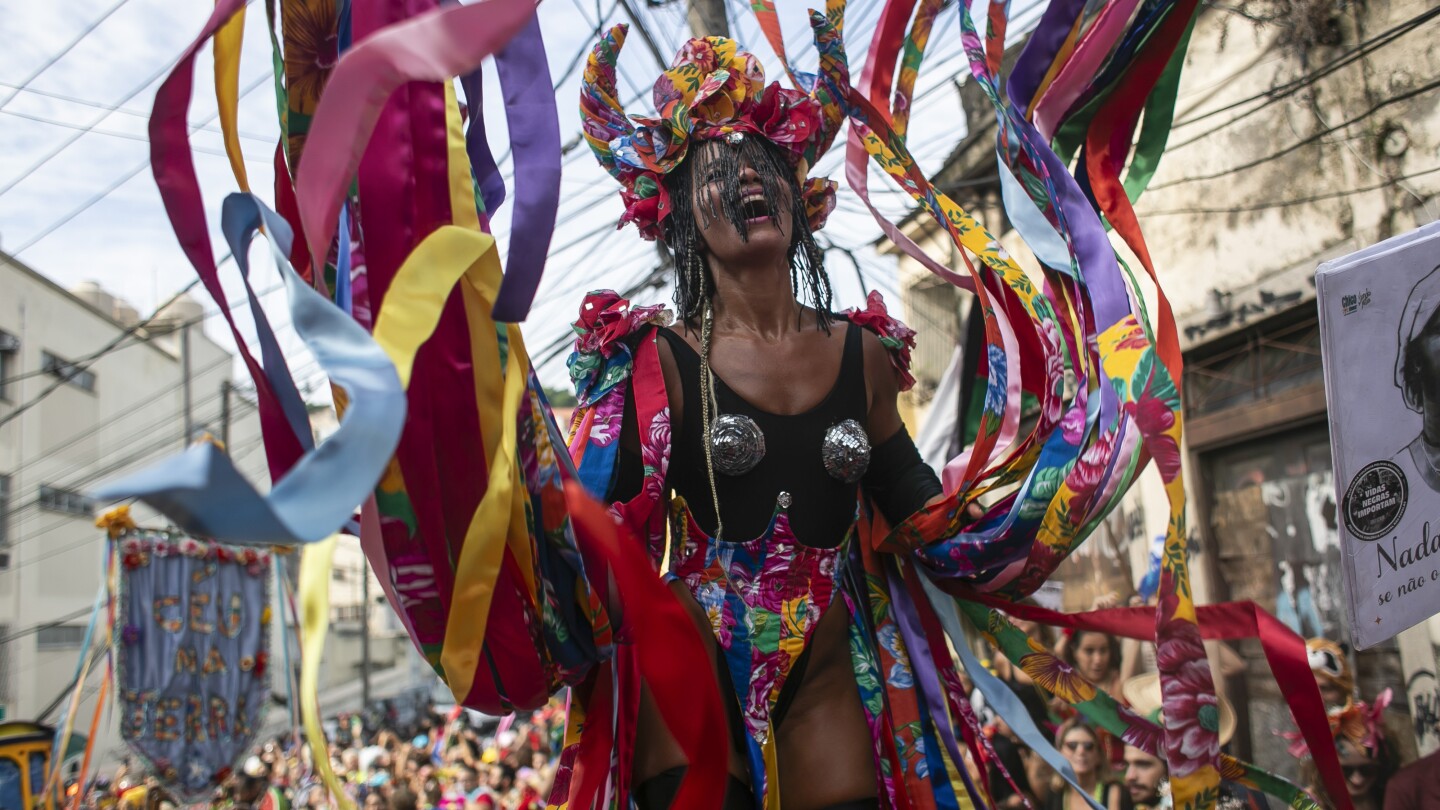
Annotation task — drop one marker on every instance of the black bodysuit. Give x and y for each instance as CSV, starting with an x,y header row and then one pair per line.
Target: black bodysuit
x,y
822,508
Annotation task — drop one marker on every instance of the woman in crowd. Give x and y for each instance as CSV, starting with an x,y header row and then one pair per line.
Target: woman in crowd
x,y
1097,658
1080,746
1367,755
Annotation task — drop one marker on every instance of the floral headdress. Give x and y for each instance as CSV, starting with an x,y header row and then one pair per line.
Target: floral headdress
x,y
1361,723
712,90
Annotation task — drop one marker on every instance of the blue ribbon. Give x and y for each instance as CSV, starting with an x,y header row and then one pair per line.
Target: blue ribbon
x,y
201,491
1039,235
343,292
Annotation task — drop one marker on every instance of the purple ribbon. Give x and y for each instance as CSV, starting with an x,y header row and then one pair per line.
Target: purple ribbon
x,y
534,127
927,679
1039,52
482,160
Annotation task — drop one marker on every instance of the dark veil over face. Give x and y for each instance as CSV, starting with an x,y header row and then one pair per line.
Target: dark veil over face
x,y
707,194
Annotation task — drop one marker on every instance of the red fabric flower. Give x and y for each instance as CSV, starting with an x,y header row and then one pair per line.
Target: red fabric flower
x,y
647,204
606,318
896,336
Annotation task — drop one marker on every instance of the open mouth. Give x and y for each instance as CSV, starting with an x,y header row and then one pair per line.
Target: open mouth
x,y
754,207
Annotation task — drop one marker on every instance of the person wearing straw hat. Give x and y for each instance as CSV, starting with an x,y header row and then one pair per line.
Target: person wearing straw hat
x,y
1146,775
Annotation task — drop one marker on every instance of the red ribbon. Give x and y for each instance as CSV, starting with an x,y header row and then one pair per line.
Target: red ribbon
x,y
174,170
1284,652
667,648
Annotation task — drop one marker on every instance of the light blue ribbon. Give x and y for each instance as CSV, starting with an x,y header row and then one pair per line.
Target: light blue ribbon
x,y
1039,235
201,491
997,694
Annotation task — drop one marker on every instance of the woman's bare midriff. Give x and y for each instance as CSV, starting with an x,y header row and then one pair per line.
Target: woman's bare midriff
x,y
824,751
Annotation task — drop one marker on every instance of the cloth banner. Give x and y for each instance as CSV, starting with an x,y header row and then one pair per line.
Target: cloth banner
x,y
192,659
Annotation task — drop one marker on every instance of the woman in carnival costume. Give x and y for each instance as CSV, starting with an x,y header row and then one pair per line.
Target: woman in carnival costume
x,y
799,407
760,429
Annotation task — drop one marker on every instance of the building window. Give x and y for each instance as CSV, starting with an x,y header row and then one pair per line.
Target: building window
x,y
67,371
65,500
60,637
1263,362
9,360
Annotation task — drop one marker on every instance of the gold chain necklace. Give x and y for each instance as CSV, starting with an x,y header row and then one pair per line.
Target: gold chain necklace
x,y
708,406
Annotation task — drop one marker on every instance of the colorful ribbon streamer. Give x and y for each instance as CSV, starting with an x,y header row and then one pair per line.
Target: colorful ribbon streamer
x,y
202,491
315,566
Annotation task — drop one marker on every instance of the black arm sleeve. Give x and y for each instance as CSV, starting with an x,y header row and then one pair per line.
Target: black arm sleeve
x,y
629,476
898,481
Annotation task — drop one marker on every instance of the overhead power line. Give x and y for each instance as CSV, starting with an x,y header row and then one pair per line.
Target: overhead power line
x,y
240,451
49,63
94,468
35,628
65,144
1378,106
1265,206
268,140
111,133
120,181
101,352
1289,88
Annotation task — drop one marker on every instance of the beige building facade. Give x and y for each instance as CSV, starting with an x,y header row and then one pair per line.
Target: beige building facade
x,y
1254,191
70,423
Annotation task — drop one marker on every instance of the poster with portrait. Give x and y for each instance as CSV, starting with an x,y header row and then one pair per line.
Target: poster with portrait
x,y
1380,332
192,656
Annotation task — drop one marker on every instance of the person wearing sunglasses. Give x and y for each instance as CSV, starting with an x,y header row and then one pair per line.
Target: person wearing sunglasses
x,y
1080,746
1367,755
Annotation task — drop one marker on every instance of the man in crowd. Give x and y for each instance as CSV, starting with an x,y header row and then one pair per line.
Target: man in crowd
x,y
1144,777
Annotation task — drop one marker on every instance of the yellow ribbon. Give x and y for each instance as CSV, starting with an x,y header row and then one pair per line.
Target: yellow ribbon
x,y
227,90
493,523
417,294
407,317
462,186
314,623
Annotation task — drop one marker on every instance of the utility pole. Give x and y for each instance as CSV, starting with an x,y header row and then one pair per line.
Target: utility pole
x,y
364,635
707,18
225,389
185,383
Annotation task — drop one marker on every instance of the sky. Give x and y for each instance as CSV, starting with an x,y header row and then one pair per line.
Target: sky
x,y
78,206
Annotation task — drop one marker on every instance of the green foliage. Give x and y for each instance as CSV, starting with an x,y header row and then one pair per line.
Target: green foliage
x,y
560,397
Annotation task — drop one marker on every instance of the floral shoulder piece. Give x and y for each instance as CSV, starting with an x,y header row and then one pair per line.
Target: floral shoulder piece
x,y
894,335
603,355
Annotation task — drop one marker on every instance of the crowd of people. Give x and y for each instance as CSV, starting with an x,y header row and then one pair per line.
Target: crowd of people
x,y
462,761
452,761
1116,776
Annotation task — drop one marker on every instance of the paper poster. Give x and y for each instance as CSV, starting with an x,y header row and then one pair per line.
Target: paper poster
x,y
192,656
1380,329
